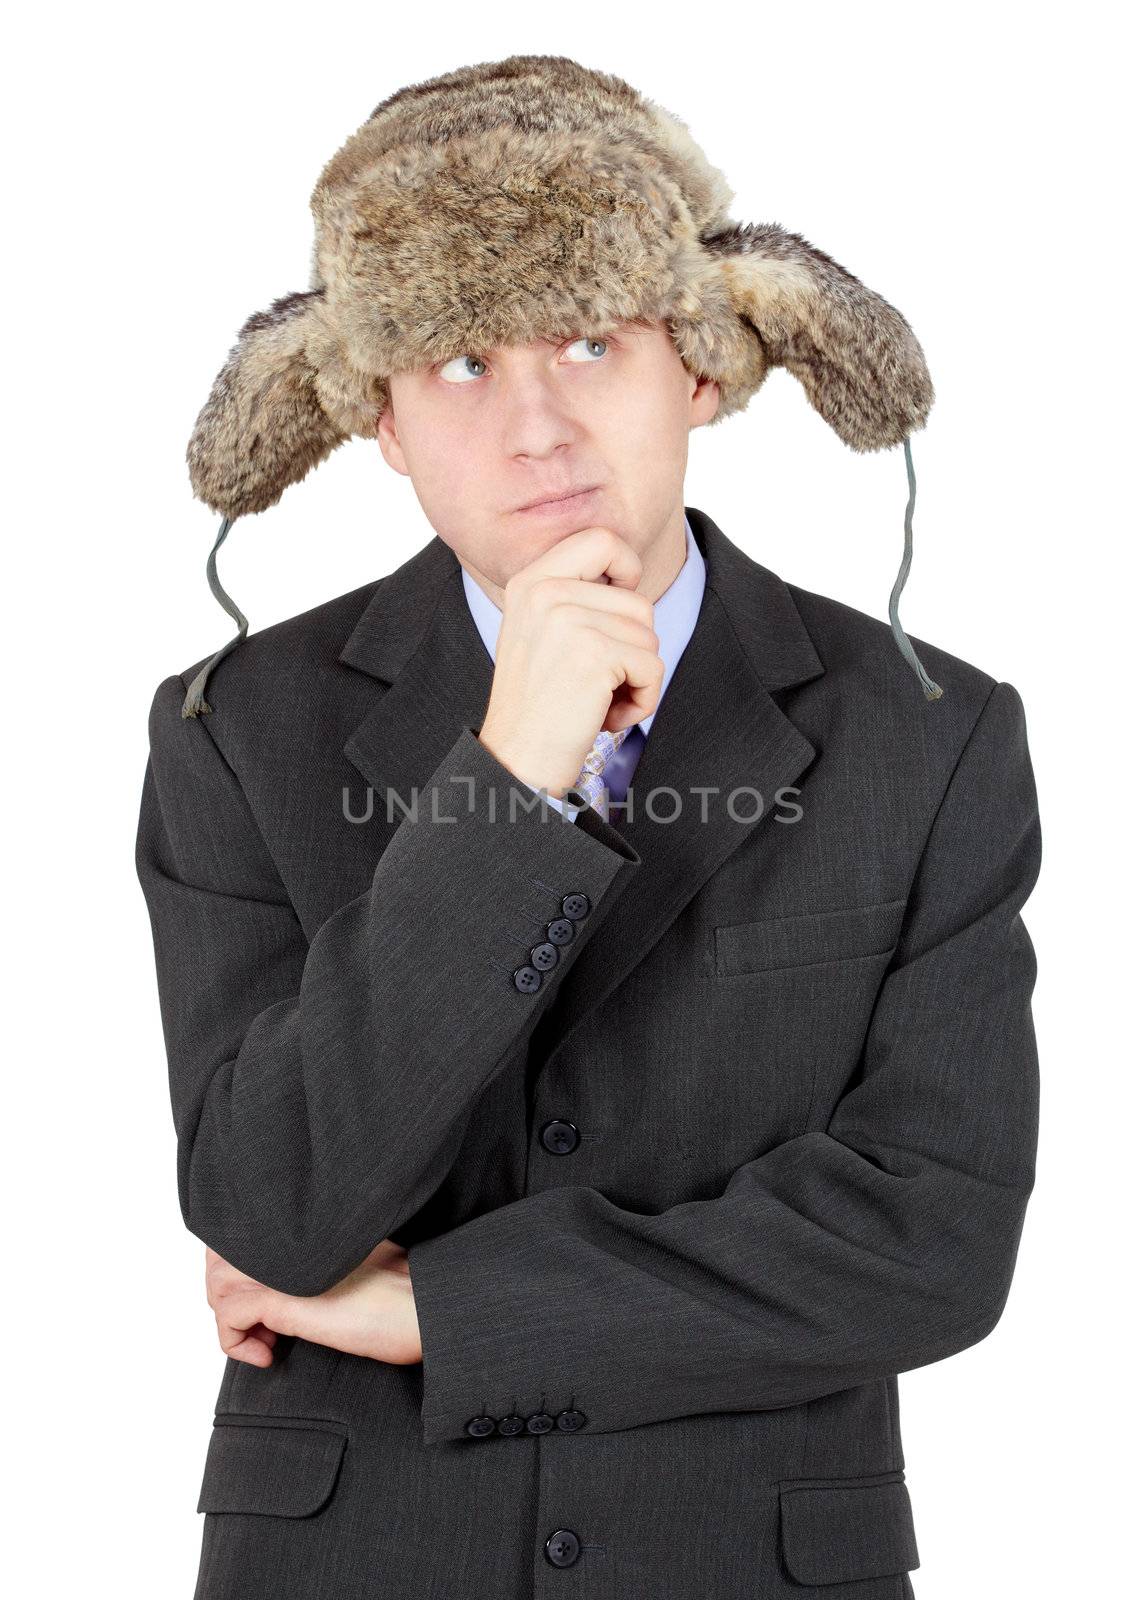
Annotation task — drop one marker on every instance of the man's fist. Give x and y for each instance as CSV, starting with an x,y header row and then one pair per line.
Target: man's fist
x,y
371,1312
576,653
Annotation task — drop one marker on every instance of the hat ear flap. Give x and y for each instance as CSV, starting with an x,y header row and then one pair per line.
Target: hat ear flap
x,y
263,426
853,353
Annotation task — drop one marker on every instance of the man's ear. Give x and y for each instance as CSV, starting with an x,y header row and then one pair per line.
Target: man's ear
x,y
704,401
388,435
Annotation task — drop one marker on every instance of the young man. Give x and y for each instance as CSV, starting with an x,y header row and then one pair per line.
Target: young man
x,y
578,1169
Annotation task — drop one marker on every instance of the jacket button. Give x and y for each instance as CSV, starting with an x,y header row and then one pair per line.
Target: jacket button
x,y
575,906
562,1548
527,979
560,930
544,956
512,1424
560,1137
479,1427
540,1422
570,1420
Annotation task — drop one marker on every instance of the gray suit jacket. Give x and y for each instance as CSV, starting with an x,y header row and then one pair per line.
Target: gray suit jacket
x,y
759,1137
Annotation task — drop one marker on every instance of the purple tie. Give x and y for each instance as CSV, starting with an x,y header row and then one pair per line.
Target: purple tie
x,y
590,783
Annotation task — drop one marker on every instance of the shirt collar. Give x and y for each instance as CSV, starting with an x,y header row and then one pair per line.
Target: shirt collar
x,y
673,617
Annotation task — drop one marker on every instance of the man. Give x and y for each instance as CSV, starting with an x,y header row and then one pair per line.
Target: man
x,y
578,1169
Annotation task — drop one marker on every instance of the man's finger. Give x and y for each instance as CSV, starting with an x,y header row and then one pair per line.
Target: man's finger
x,y
590,554
247,1344
253,1351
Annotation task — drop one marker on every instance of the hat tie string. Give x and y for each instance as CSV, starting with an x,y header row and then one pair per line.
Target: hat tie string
x,y
195,702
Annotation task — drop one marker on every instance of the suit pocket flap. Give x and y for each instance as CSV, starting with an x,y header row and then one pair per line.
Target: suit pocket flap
x,y
836,1531
275,1466
814,936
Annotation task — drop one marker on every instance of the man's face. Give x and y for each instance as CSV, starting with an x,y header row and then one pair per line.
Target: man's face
x,y
486,434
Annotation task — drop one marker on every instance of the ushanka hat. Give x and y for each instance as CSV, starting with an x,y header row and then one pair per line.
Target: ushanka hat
x,y
536,198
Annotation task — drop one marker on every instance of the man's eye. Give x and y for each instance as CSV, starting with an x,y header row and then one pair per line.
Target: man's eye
x,y
462,369
593,348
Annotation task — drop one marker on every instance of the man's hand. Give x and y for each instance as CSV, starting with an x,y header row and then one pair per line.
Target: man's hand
x,y
371,1312
576,653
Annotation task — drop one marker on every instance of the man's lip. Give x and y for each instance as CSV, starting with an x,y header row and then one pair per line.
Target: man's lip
x,y
553,500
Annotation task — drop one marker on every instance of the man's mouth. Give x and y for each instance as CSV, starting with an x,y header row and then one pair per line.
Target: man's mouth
x,y
554,505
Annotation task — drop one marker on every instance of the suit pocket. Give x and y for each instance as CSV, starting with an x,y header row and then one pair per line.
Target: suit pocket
x,y
272,1466
839,1530
777,943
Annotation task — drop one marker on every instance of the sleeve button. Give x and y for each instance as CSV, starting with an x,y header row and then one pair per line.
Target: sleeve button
x,y
569,1421
561,930
479,1427
576,906
527,979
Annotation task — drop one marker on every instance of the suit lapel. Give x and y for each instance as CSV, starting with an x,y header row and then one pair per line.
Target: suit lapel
x,y
417,636
718,729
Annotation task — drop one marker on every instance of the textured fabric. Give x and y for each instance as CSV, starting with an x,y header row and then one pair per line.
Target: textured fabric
x,y
590,782
834,1531
620,767
760,1140
271,1467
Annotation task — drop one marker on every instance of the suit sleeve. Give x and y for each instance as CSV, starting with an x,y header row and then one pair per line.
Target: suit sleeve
x,y
321,1087
885,1242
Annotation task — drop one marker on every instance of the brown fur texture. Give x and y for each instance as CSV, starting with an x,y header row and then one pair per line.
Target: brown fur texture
x,y
526,198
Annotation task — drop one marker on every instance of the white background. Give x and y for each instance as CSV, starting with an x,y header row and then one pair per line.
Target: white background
x,y
965,162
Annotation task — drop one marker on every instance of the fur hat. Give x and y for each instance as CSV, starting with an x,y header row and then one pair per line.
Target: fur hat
x,y
526,198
